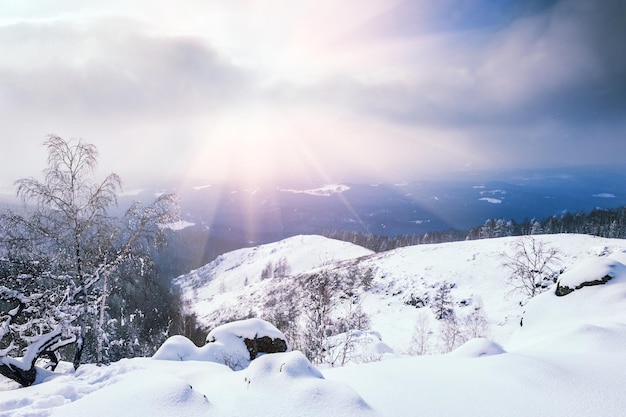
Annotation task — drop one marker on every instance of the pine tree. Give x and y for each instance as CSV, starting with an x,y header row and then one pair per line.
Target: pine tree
x,y
442,304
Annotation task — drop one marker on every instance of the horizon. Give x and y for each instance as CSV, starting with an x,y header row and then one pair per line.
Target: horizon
x,y
461,176
249,92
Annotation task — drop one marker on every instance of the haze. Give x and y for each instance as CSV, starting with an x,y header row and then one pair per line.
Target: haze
x,y
323,91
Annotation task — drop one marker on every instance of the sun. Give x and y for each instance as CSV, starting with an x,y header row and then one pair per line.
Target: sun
x,y
258,146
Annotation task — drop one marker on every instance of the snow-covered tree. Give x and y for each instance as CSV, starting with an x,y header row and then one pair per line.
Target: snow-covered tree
x,y
66,225
330,307
36,319
475,324
318,291
451,332
443,304
533,266
535,227
421,337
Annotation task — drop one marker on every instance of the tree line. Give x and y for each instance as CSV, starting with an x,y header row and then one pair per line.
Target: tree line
x,y
609,223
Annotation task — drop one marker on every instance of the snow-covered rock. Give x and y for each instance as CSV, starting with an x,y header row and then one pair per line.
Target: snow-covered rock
x,y
303,384
595,271
290,365
233,344
252,336
179,348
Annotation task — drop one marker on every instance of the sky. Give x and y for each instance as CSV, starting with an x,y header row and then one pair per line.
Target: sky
x,y
316,90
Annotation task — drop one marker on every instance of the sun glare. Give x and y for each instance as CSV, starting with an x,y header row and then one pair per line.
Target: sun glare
x,y
250,148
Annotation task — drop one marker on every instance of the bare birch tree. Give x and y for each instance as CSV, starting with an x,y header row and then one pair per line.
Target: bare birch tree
x,y
533,266
67,225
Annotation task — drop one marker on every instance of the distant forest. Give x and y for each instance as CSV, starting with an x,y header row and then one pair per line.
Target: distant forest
x,y
192,247
610,223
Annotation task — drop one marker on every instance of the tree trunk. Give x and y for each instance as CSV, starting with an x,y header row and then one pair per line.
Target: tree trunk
x,y
23,371
23,377
101,319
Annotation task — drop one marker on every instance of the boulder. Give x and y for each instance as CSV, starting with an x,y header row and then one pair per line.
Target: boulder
x,y
234,344
255,335
264,344
596,271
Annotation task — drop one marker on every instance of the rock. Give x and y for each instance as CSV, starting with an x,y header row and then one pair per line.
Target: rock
x,y
595,271
264,344
234,344
253,336
562,290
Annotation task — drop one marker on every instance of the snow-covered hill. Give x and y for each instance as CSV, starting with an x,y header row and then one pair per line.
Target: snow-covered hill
x,y
402,277
567,359
220,282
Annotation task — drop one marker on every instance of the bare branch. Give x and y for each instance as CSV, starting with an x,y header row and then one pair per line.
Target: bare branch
x,y
532,266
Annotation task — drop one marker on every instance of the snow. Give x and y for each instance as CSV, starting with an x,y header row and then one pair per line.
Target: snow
x,y
478,347
179,348
209,286
604,195
202,187
474,266
567,359
593,270
284,384
589,319
325,191
225,344
491,200
249,329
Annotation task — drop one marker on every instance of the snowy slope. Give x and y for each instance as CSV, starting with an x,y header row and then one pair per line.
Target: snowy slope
x,y
274,385
218,281
475,267
567,359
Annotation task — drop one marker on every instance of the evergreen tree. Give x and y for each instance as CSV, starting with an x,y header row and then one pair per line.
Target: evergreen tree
x,y
443,303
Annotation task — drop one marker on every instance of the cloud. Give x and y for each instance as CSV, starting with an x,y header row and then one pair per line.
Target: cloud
x,y
326,89
111,69
564,63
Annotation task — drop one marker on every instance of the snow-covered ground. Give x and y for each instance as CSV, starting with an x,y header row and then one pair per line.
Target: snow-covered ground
x,y
219,282
233,281
568,358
